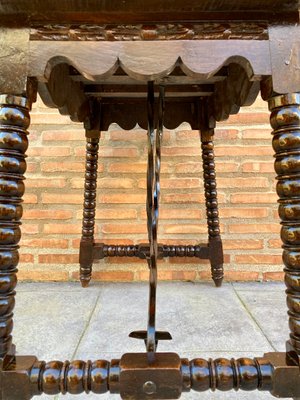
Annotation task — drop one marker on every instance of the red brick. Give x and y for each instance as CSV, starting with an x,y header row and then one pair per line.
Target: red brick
x,y
106,183
184,228
256,134
177,213
64,166
275,243
63,135
76,242
188,135
248,118
31,167
30,229
123,198
196,167
274,276
225,167
256,182
219,134
39,275
240,244
275,215
119,152
254,228
176,183
244,212
134,136
45,243
63,228
47,214
45,182
178,198
168,275
26,258
62,198
57,151
109,276
254,198
49,118
137,168
109,213
245,151
232,276
270,259
189,168
124,228
188,198
226,134
58,258
30,198
259,166
181,151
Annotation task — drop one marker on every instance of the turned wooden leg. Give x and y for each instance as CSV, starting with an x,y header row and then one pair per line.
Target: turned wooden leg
x,y
89,210
14,120
211,201
285,120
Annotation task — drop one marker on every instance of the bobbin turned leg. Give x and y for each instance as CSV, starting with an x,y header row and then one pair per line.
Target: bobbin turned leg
x,y
14,120
86,256
210,190
285,120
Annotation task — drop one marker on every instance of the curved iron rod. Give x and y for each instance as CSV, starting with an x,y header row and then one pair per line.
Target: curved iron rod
x,y
153,192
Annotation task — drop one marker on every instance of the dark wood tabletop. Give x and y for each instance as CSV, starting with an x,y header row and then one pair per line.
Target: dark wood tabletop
x,y
28,12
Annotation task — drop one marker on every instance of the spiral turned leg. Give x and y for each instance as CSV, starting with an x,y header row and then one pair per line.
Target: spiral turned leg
x,y
89,210
212,212
14,120
285,120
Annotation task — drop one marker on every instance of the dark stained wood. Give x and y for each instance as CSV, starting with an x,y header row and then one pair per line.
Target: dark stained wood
x,y
285,57
149,60
14,46
285,120
93,60
127,114
162,31
61,92
134,378
206,127
25,12
14,121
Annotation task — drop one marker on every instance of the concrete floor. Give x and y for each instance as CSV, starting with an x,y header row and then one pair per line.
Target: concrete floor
x,y
63,321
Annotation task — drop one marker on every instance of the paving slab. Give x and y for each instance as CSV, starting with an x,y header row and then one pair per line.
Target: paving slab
x,y
64,321
49,324
268,308
200,317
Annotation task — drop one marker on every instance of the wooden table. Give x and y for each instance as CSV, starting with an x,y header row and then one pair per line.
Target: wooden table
x,y
155,63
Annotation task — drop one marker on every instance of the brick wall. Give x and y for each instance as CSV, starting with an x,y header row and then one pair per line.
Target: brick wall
x,y
54,195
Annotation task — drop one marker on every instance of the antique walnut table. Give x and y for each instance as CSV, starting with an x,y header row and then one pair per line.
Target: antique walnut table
x,y
156,64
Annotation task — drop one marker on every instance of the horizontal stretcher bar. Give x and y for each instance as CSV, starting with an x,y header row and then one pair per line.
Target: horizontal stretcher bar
x,y
102,250
133,377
